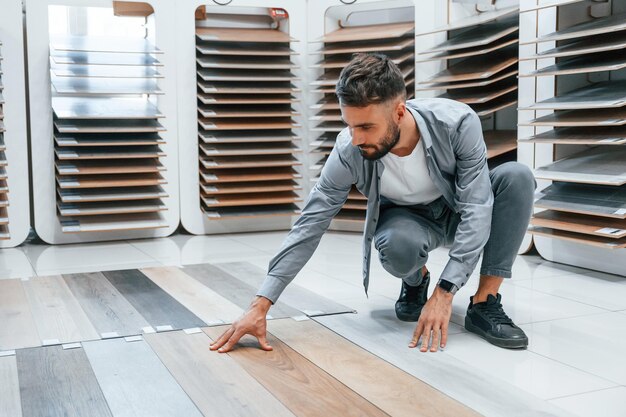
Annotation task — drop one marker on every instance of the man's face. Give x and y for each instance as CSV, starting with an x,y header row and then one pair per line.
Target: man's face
x,y
373,129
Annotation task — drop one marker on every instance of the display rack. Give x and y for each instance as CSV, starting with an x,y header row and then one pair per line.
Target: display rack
x,y
103,122
574,114
239,105
335,33
14,180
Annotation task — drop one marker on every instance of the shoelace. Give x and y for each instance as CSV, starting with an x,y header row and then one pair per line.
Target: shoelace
x,y
497,314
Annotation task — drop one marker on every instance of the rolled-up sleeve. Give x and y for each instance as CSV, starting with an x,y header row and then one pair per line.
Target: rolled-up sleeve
x,y
323,203
473,198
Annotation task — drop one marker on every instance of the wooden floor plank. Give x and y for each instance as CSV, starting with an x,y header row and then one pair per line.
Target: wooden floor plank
x,y
134,381
107,309
303,387
157,306
10,405
361,371
215,382
57,313
295,296
205,303
59,383
17,328
234,289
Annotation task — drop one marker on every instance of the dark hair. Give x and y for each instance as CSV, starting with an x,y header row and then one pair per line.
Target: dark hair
x,y
369,79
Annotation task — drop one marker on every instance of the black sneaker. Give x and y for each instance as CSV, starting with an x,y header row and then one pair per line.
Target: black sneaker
x,y
412,299
489,321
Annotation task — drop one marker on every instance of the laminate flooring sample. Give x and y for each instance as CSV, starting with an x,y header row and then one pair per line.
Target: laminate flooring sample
x,y
303,387
103,58
400,395
103,86
599,26
604,94
594,166
107,309
598,43
90,209
154,304
111,194
382,46
598,241
595,200
610,135
108,139
369,32
18,329
107,126
10,405
104,108
235,290
587,117
59,383
242,35
104,71
579,223
134,381
480,35
57,313
205,303
215,382
465,53
103,44
297,297
591,63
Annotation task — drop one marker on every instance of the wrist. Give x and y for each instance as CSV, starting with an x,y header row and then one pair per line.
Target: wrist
x,y
261,303
441,293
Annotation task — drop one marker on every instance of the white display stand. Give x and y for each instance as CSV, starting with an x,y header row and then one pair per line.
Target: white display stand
x,y
14,109
537,19
46,220
193,218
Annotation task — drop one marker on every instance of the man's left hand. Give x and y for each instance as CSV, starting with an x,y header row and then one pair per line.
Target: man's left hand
x,y
433,322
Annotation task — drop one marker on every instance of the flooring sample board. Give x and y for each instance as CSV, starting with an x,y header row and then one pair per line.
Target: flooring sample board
x,y
361,371
134,381
101,86
111,194
103,44
479,95
246,124
109,223
98,181
251,199
235,290
248,161
18,328
107,167
215,382
591,117
107,309
247,88
243,35
248,111
582,136
604,94
303,387
248,149
593,200
599,43
368,32
247,49
479,35
234,99
103,58
590,63
108,139
601,242
246,63
249,187
297,297
107,126
56,382
493,106
341,62
381,46
500,142
104,108
154,304
479,19
599,26
239,175
245,75
579,223
477,68
331,77
596,166
91,209
205,303
104,71
551,4
10,405
466,84
252,212
57,313
110,153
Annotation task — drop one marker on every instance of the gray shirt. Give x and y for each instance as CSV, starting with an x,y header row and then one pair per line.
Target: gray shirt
x,y
451,134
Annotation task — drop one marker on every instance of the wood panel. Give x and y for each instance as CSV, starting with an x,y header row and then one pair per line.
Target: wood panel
x,y
108,167
602,242
466,84
246,49
479,95
104,108
104,71
233,99
215,383
234,175
599,95
118,207
245,75
469,52
104,86
108,139
479,35
352,47
18,328
303,387
248,161
103,58
361,371
249,149
600,43
242,35
500,103
251,199
103,44
612,61
599,26
57,314
56,382
135,382
98,181
137,152
243,62
595,166
587,117
231,213
582,136
10,405
594,200
478,19
577,223
106,126
247,88
500,142
249,187
111,194
155,305
107,309
246,124
203,302
368,32
108,223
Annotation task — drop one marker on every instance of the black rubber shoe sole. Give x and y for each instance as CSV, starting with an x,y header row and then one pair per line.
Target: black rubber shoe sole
x,y
412,317
503,343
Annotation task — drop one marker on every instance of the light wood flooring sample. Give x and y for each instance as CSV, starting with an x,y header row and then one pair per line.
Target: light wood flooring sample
x,y
10,405
18,329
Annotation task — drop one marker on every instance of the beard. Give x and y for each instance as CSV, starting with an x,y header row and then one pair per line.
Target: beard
x,y
391,138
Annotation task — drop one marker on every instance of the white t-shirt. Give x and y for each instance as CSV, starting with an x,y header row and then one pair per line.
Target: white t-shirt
x,y
405,180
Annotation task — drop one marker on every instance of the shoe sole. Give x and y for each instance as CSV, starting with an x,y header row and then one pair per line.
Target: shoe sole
x,y
503,343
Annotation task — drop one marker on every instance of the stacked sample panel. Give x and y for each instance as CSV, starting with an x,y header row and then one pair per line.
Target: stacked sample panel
x,y
396,40
586,202
4,187
481,55
106,133
247,146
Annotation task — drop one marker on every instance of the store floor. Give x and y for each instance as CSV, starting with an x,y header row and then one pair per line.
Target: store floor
x,y
575,319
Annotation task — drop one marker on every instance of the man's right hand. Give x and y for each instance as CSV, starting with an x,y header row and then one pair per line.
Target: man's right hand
x,y
253,322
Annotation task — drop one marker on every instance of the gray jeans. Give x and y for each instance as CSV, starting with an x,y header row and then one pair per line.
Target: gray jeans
x,y
406,234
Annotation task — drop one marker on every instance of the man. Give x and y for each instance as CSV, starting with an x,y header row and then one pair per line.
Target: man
x,y
423,166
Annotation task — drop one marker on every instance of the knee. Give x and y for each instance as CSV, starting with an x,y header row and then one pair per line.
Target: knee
x,y
516,178
401,255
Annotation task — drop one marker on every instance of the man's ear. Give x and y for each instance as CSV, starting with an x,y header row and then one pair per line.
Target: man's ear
x,y
400,110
